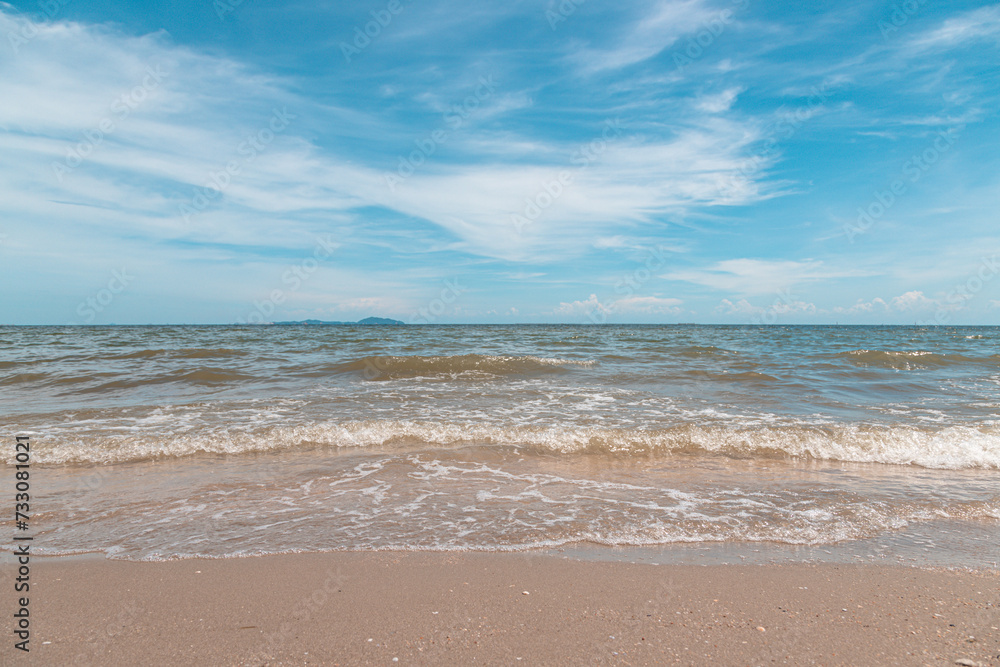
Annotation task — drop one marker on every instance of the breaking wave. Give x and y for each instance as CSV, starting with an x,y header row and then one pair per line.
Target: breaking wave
x,y
955,447
911,359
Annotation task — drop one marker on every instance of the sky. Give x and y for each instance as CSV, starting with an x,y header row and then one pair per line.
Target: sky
x,y
568,161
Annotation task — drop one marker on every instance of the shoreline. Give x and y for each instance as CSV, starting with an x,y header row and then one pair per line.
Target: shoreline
x,y
942,544
490,608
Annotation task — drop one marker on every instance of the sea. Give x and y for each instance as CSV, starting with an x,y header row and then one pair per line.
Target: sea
x,y
662,444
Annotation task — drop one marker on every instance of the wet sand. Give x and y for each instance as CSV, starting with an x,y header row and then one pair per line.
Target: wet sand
x,y
434,608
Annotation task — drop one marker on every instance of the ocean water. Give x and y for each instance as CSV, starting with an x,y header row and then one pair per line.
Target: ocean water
x,y
690,442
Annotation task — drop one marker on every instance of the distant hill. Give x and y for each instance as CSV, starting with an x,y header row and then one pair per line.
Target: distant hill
x,y
367,320
379,320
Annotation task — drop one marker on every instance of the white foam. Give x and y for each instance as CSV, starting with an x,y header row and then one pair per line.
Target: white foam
x,y
953,447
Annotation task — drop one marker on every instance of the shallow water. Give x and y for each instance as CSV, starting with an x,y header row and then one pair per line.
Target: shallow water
x,y
161,442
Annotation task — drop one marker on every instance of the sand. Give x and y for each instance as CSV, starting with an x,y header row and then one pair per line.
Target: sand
x,y
434,608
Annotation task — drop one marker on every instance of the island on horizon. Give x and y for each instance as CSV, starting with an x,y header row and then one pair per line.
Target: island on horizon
x,y
366,321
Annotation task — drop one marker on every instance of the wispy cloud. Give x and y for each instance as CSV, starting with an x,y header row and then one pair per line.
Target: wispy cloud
x,y
718,102
756,277
656,27
961,30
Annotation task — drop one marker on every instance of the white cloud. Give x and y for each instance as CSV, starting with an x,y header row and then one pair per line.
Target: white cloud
x,y
648,305
780,306
741,307
785,308
592,307
150,121
754,276
960,30
658,28
581,308
911,301
609,242
189,128
624,180
719,102
908,302
876,305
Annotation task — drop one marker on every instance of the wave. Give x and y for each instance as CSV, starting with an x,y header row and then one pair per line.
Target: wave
x,y
471,365
748,377
155,354
23,378
161,353
955,447
183,353
209,377
696,351
912,359
203,377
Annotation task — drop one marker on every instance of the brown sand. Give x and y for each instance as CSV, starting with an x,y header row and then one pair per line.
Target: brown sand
x,y
427,608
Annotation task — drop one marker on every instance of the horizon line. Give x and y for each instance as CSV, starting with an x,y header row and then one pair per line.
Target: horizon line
x,y
512,324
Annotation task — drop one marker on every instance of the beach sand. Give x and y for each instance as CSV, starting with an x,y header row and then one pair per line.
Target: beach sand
x,y
440,608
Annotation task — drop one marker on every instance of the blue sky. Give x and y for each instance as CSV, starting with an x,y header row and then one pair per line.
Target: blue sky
x,y
546,161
